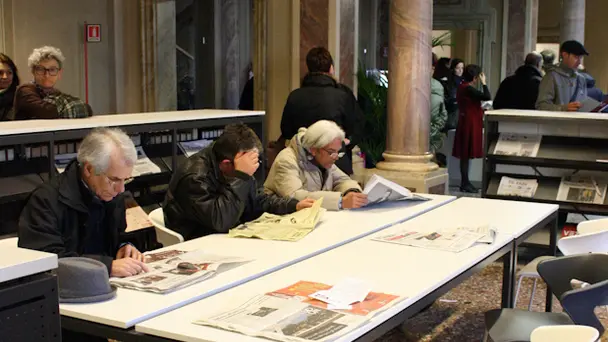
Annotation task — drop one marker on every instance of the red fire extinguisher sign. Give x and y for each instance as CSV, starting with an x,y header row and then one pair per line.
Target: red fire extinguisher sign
x,y
93,33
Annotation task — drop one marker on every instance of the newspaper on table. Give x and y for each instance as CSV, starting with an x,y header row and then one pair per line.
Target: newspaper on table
x,y
192,147
137,219
517,187
289,314
174,269
582,189
62,160
379,189
521,145
450,239
144,165
292,227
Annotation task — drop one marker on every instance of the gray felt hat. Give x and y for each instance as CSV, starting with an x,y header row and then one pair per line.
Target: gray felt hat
x,y
83,280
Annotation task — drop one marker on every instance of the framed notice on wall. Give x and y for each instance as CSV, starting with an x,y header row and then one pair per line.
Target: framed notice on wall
x,y
93,33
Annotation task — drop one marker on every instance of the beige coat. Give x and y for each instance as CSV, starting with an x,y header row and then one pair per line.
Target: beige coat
x,y
293,175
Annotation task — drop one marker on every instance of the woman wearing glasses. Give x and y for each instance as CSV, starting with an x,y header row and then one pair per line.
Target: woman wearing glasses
x,y
9,80
306,169
40,99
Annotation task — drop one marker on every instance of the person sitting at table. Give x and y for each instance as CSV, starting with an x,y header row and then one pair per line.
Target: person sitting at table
x,y
81,212
306,169
9,80
215,190
40,99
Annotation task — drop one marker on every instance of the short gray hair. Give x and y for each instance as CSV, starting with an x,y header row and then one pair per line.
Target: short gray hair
x,y
44,53
321,133
98,146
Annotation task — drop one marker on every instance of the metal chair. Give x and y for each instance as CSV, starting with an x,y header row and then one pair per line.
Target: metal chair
x,y
504,325
164,235
565,333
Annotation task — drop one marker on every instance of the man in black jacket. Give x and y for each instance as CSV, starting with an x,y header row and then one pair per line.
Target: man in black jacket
x,y
321,97
214,190
520,91
81,212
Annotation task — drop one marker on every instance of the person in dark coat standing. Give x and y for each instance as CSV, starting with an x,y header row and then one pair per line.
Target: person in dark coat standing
x,y
520,91
468,142
214,190
321,97
9,80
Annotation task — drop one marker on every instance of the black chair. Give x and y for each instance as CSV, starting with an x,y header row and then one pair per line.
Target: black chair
x,y
511,325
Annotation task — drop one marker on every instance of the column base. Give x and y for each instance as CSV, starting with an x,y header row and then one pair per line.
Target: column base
x,y
414,163
431,182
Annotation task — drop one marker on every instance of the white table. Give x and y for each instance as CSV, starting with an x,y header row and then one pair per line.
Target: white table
x,y
336,228
17,263
421,275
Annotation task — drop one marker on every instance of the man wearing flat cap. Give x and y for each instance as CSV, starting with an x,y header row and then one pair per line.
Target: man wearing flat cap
x,y
563,88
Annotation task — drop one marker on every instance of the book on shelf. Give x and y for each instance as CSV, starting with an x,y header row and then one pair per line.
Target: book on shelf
x,y
520,145
582,189
517,187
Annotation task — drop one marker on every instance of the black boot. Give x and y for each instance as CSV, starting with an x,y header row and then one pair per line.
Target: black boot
x,y
465,184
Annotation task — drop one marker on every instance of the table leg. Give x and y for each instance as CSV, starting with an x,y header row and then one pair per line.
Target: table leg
x,y
508,277
560,220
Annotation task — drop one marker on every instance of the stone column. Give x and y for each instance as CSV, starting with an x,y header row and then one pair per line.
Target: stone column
x,y
572,25
522,32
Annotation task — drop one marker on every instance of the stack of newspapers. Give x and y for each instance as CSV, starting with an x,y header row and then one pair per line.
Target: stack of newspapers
x,y
517,187
582,189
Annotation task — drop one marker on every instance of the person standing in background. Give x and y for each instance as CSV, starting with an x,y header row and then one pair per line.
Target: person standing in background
x,y
439,114
548,60
455,79
520,91
9,80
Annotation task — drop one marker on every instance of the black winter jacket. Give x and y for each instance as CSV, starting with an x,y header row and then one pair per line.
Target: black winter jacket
x,y
322,98
201,201
519,91
65,218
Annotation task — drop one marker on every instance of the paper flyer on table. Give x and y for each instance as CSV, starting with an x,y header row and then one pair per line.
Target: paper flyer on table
x,y
174,269
379,189
289,314
517,187
582,189
292,227
521,145
452,240
137,219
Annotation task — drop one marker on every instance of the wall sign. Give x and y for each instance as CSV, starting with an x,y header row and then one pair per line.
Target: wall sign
x,y
93,32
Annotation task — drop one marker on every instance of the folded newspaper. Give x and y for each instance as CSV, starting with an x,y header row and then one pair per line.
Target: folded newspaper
x,y
174,269
517,187
292,227
582,189
521,145
379,189
289,314
450,239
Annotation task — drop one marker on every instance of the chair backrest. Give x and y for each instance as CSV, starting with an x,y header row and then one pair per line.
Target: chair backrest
x,y
9,242
164,235
564,333
596,242
592,226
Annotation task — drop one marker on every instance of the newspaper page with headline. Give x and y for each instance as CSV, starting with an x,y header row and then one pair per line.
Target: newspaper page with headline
x,y
289,314
192,147
451,240
582,189
174,269
521,145
291,227
517,187
379,189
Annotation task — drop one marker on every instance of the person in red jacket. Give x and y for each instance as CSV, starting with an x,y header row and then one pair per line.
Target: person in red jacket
x,y
468,142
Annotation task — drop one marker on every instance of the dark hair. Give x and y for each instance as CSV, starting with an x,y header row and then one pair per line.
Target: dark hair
x,y
455,63
442,69
533,58
548,57
7,60
433,59
471,71
319,59
235,138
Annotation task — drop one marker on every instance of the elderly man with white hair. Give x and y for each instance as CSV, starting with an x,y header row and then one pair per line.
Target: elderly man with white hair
x,y
40,99
306,169
81,212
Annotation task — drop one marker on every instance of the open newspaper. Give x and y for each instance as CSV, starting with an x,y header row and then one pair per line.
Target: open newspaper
x,y
451,239
144,165
174,269
289,314
521,145
582,189
379,189
292,227
192,147
517,187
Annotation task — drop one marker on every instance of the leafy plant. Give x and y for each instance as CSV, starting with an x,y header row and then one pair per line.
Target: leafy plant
x,y
372,94
442,40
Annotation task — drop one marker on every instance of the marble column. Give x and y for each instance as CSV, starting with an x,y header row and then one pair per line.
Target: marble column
x,y
572,26
260,10
347,15
409,68
314,28
522,32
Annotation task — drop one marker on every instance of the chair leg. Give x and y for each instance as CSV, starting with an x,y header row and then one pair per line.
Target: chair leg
x,y
532,295
517,291
485,336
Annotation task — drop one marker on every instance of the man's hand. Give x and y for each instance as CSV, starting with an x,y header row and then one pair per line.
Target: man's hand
x,y
574,106
346,141
305,203
128,251
247,162
127,267
354,200
482,78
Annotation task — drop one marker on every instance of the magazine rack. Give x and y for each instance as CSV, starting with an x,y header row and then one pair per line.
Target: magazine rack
x,y
28,149
571,143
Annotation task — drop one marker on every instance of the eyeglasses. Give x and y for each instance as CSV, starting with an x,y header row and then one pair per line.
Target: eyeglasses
x,y
40,71
334,154
113,181
6,73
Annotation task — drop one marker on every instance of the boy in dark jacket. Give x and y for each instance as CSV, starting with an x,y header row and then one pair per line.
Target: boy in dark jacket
x,y
214,190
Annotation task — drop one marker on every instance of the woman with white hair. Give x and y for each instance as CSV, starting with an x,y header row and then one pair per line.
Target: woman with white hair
x,y
306,169
40,99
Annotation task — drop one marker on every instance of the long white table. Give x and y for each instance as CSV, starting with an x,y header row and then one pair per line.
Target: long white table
x,y
336,228
21,262
421,275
